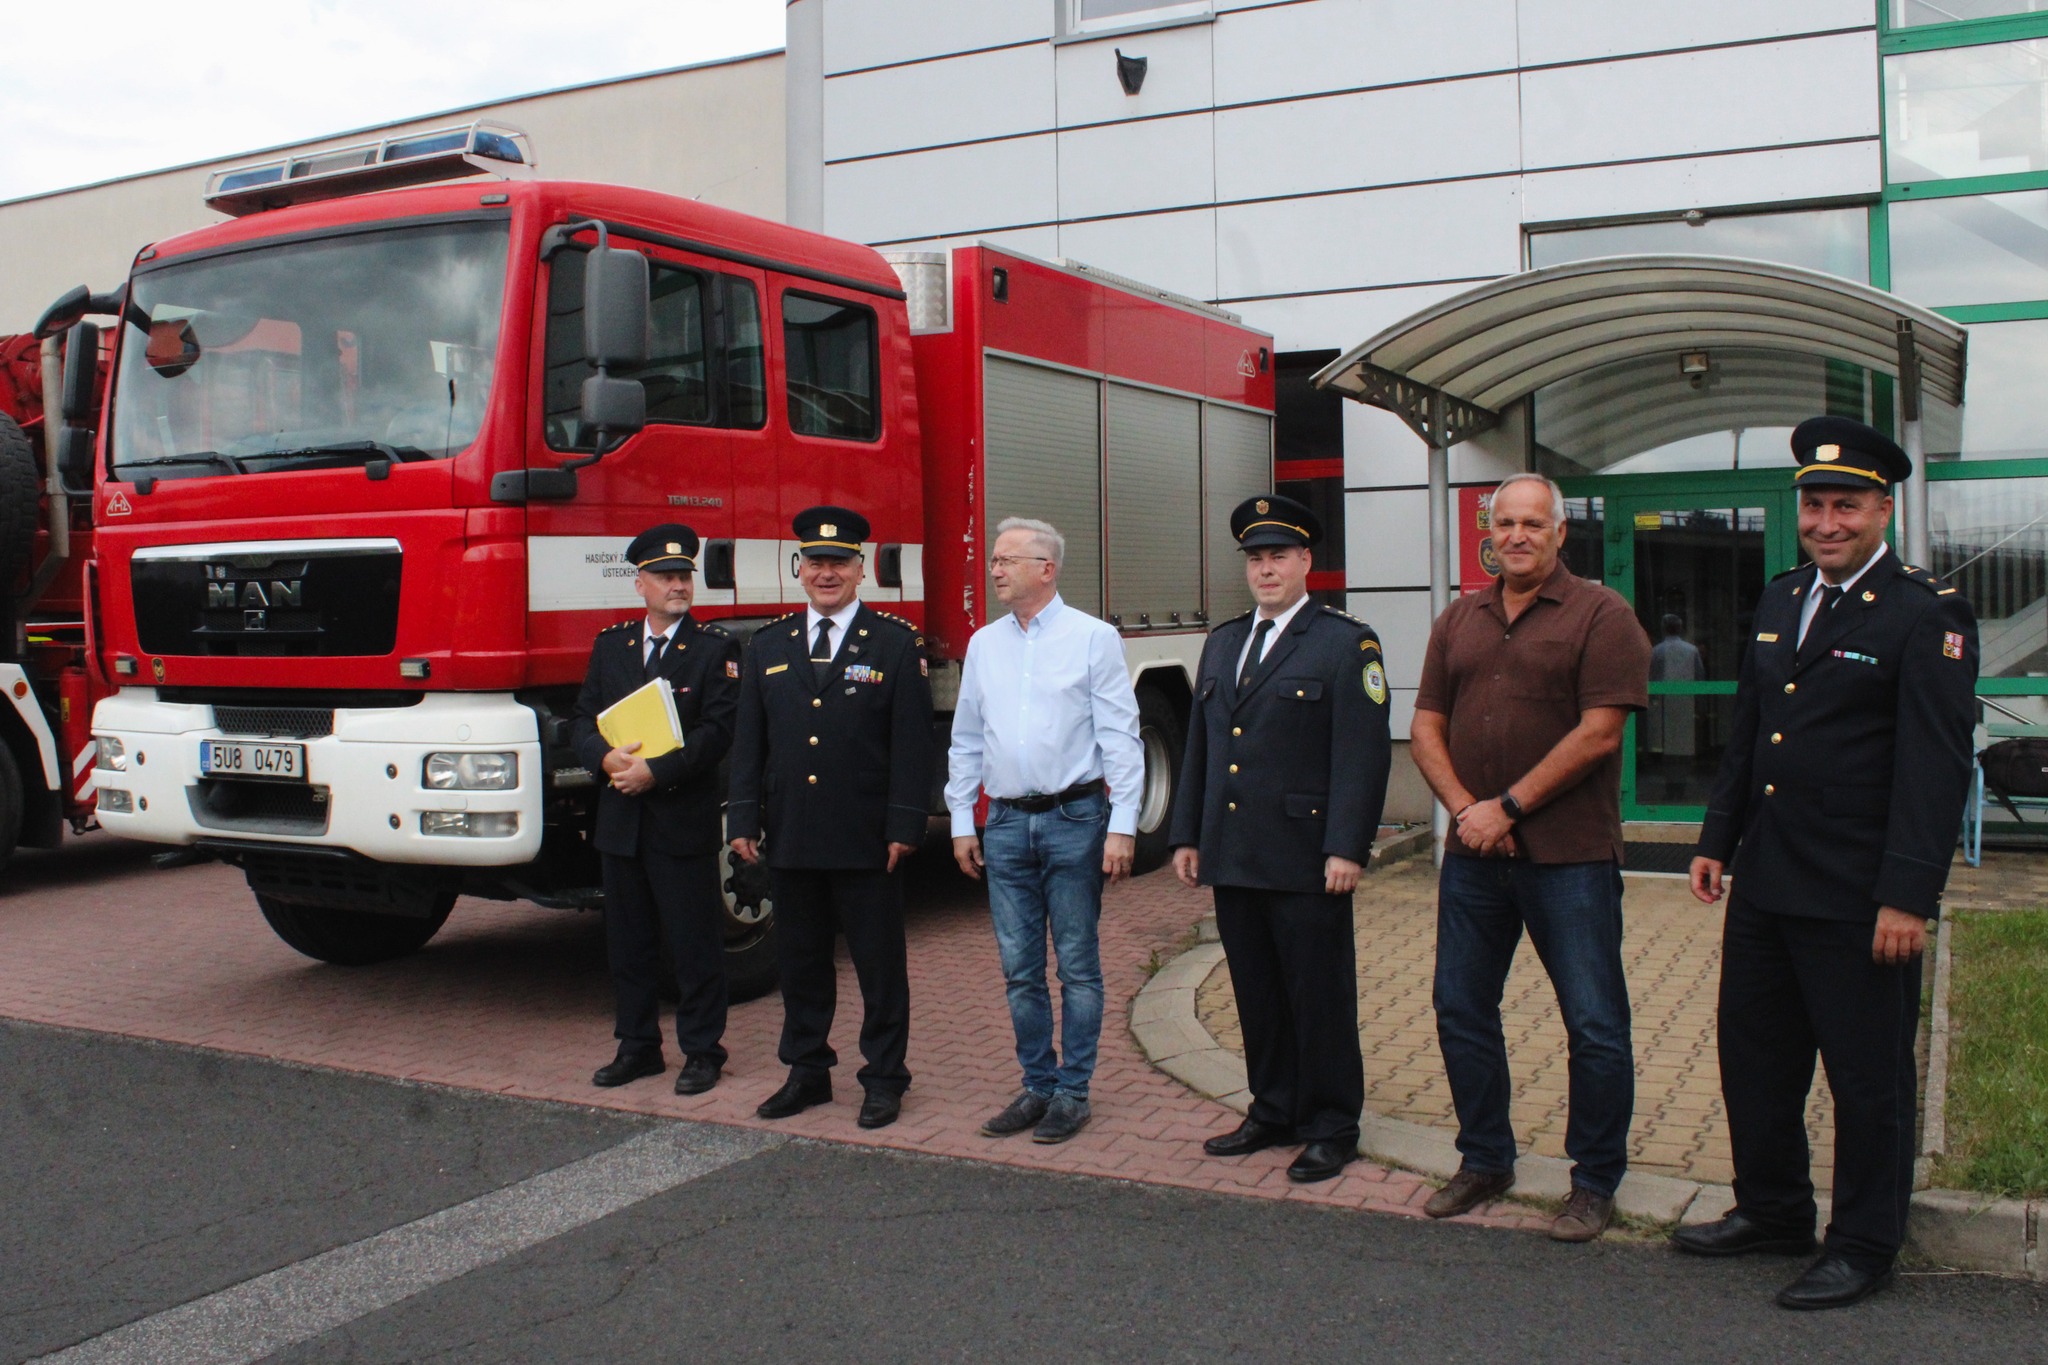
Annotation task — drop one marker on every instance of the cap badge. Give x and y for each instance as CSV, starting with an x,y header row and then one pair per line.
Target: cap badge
x,y
1827,454
1262,506
673,548
828,529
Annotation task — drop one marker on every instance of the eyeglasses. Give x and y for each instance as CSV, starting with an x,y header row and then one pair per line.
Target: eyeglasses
x,y
1012,561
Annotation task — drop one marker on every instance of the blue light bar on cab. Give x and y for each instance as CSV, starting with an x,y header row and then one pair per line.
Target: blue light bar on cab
x,y
470,149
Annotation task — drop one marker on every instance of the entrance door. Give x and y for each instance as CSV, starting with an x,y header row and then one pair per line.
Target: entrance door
x,y
1693,564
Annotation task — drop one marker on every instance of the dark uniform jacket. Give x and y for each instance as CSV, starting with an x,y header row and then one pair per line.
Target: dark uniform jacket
x,y
1294,770
1843,783
680,816
834,773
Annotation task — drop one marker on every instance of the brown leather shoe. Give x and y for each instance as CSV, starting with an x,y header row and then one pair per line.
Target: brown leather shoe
x,y
1586,1215
1467,1191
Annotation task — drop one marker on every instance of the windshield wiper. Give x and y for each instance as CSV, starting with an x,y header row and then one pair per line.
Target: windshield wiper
x,y
196,457
369,450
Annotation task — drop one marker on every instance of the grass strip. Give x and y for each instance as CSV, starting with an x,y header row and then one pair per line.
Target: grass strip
x,y
1998,1054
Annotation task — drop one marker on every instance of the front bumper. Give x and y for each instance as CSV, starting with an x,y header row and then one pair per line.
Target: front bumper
x,y
364,792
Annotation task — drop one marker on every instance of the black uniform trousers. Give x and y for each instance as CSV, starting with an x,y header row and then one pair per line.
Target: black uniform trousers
x,y
1293,966
644,897
1791,986
811,904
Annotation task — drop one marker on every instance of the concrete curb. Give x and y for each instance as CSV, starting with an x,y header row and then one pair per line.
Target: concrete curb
x,y
1948,1227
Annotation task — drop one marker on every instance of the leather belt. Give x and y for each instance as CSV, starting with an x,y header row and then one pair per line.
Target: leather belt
x,y
1038,804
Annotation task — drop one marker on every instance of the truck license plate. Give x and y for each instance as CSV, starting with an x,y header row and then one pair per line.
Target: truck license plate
x,y
238,758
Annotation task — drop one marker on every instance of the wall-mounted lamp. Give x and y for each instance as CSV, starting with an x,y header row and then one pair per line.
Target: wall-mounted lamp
x,y
1130,71
1694,366
1694,217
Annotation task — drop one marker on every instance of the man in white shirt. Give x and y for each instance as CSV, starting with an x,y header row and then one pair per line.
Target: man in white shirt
x,y
1046,718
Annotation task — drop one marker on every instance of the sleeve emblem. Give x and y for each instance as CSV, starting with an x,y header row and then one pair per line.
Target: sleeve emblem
x,y
732,668
1951,645
1376,683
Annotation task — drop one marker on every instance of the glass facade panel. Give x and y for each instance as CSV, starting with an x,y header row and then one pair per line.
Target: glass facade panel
x,y
1965,111
2002,419
1990,248
1679,744
1989,537
1834,240
1646,416
1909,13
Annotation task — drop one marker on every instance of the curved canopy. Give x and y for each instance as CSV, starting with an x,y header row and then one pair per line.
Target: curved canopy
x,y
1449,370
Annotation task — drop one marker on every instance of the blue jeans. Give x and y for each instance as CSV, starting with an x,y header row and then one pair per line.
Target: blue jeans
x,y
1573,913
1045,873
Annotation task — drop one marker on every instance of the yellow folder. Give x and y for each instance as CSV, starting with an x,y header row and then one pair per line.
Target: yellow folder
x,y
647,714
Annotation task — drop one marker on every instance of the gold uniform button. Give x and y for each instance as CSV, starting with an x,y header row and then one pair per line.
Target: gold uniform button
x,y
1775,739
817,701
812,779
814,741
1769,790
1236,730
1233,767
1791,687
1233,805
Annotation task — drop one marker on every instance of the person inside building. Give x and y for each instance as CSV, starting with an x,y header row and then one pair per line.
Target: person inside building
x,y
1839,801
1281,789
1047,726
658,828
831,780
1526,690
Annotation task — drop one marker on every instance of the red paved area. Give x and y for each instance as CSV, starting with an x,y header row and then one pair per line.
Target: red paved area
x,y
514,999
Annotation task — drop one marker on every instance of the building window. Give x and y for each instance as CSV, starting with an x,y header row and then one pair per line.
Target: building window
x,y
2003,418
831,367
1912,13
1971,249
1092,16
1989,537
1966,111
1836,241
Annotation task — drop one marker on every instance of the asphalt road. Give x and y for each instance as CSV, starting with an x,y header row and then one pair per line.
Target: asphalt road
x,y
140,1177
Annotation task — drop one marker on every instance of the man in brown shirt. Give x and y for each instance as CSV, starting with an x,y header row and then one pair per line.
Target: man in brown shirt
x,y
1526,689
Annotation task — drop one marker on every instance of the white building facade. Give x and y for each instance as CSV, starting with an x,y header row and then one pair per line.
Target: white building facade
x,y
1328,167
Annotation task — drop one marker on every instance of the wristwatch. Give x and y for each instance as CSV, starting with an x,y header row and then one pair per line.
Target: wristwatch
x,y
1512,807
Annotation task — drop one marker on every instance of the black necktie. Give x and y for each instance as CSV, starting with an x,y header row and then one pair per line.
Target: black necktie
x,y
821,651
654,655
1829,595
1251,656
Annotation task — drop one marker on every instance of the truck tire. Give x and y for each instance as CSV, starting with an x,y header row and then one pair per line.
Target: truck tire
x,y
352,938
10,804
21,493
1160,736
750,966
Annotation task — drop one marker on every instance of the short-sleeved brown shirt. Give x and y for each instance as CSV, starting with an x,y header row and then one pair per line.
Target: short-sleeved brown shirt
x,y
1511,692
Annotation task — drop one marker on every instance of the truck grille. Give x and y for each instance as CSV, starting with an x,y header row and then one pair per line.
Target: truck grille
x,y
258,807
275,722
268,599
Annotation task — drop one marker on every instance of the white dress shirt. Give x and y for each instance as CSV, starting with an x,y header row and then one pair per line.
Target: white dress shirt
x,y
840,620
1812,607
1043,707
1280,624
649,636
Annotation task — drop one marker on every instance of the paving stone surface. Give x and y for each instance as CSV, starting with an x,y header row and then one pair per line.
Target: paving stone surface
x,y
1671,952
514,999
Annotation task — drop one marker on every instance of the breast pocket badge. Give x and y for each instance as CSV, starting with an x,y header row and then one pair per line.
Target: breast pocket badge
x,y
1376,683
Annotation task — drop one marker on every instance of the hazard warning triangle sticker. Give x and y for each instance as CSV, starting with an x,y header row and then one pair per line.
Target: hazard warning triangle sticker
x,y
117,506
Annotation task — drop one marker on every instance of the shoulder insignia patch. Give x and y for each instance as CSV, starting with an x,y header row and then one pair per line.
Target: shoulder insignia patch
x,y
1924,579
1951,645
1376,683
1343,615
732,668
712,628
1242,616
1370,644
1806,568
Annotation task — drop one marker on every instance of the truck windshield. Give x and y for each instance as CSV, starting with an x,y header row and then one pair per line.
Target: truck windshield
x,y
311,354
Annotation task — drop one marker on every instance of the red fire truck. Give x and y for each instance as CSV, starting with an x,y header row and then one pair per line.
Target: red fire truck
x,y
373,449
46,746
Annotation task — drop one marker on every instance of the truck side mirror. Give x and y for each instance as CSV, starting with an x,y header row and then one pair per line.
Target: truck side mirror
x,y
616,407
75,461
81,372
615,308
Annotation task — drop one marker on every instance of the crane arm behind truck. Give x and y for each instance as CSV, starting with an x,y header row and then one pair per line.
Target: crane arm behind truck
x,y
370,462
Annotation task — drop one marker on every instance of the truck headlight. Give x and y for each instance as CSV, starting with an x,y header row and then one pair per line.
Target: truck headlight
x,y
472,772
113,755
470,824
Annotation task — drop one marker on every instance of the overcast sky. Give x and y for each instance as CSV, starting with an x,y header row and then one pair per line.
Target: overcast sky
x,y
92,89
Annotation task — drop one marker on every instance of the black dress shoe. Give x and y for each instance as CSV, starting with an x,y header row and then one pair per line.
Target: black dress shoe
x,y
1321,1161
698,1075
629,1065
798,1093
1248,1137
1739,1235
879,1109
1833,1282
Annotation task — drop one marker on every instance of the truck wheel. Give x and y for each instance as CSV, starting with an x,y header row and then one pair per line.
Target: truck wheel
x,y
750,966
1159,735
21,493
352,938
10,804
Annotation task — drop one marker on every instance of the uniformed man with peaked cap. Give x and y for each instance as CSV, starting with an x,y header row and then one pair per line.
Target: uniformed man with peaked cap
x,y
1279,801
658,828
1839,801
832,758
